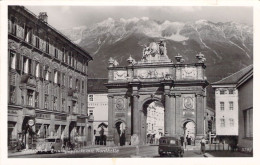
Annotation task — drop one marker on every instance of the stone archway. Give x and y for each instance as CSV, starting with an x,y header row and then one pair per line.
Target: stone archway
x,y
120,133
152,120
189,132
179,86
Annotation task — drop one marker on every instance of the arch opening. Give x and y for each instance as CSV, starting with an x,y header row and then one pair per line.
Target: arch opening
x,y
189,133
152,127
120,133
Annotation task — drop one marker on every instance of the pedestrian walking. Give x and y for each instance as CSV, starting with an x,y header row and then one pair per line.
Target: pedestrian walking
x,y
202,144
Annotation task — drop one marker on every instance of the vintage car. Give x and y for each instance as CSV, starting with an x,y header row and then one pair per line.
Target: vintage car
x,y
170,146
49,145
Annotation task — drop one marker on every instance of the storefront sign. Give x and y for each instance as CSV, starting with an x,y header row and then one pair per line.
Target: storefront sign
x,y
44,116
64,118
12,111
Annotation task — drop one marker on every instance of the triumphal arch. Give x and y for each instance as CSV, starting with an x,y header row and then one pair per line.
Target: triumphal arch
x,y
179,86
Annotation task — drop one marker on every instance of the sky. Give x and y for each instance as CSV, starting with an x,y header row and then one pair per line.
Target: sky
x,y
63,17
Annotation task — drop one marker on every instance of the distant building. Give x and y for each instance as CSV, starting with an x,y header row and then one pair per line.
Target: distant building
x,y
234,106
98,107
155,119
47,82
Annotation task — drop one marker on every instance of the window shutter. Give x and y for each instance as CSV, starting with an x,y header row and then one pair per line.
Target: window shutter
x,y
31,70
18,62
52,76
44,72
40,71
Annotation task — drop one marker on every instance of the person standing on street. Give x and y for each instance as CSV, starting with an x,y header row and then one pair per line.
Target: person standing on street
x,y
202,144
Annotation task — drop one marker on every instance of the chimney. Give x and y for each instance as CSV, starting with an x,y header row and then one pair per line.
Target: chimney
x,y
43,17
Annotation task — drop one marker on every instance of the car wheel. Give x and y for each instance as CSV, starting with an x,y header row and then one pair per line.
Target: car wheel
x,y
52,150
161,155
181,154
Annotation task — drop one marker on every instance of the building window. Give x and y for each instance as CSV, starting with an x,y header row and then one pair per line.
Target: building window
x,y
63,104
54,103
22,99
90,98
47,73
77,85
28,34
55,52
37,70
12,94
37,99
56,75
69,59
13,25
25,65
231,105
12,60
222,92
222,106
74,107
37,41
63,55
231,122
231,91
72,60
69,109
70,82
248,123
63,79
47,47
91,112
82,86
30,97
222,122
46,101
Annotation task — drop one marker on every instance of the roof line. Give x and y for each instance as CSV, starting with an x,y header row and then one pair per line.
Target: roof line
x,y
58,32
231,75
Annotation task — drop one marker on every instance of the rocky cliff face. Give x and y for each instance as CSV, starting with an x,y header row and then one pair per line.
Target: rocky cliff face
x,y
228,47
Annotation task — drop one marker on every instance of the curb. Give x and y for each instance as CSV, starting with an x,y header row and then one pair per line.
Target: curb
x,y
207,155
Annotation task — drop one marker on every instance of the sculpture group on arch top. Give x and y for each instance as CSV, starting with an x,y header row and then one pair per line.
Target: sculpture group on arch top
x,y
180,87
155,54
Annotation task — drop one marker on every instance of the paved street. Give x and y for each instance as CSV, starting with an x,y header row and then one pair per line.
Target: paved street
x,y
106,152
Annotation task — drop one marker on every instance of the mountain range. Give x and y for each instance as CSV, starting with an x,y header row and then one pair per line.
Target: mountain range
x,y
227,46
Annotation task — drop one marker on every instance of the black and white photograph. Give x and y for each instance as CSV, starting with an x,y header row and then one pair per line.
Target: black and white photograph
x,y
129,81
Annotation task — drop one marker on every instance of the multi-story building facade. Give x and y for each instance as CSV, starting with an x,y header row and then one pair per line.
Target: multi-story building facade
x,y
155,119
245,114
98,107
47,81
227,101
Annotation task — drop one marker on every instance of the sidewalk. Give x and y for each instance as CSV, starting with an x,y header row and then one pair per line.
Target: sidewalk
x,y
33,151
226,154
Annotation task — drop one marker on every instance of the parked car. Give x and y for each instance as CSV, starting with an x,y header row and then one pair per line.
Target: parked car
x,y
170,146
49,145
